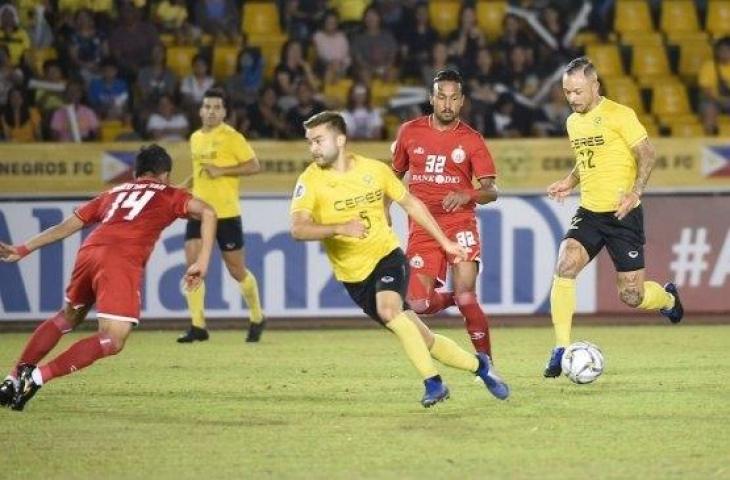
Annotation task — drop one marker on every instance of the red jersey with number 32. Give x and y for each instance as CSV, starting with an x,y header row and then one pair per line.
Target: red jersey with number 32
x,y
440,162
132,215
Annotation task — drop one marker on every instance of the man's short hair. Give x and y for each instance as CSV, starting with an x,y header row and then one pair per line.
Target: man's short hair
x,y
216,93
449,75
152,159
333,119
581,64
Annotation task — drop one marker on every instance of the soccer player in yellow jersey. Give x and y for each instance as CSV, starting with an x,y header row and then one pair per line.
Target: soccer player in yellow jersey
x,y
340,200
613,161
220,157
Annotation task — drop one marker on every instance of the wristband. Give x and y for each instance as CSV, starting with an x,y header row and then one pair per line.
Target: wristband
x,y
22,250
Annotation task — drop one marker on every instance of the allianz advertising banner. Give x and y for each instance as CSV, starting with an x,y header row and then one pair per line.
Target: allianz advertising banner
x,y
520,238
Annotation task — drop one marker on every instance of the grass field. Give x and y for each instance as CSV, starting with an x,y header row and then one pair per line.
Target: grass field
x,y
344,404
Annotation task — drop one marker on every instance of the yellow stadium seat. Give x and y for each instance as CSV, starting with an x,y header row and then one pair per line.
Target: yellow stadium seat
x,y
687,130
336,93
691,57
180,59
718,18
490,15
382,91
586,38
260,18
678,16
112,129
669,100
652,129
39,56
632,16
167,39
606,59
270,46
225,58
678,38
642,38
624,90
648,63
444,15
723,130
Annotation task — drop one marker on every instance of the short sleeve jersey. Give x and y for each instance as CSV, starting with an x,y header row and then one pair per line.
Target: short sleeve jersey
x,y
441,161
223,146
333,197
131,217
602,140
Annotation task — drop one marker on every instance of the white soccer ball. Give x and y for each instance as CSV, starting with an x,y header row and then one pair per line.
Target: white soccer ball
x,y
582,362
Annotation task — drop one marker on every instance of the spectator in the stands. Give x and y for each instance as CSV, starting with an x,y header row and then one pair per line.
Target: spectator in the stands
x,y
11,33
242,87
467,38
167,123
88,45
265,116
484,81
171,17
218,18
331,44
374,48
10,75
550,118
521,76
417,40
714,83
131,42
306,106
194,86
154,81
74,121
363,121
20,121
292,70
109,94
509,119
440,60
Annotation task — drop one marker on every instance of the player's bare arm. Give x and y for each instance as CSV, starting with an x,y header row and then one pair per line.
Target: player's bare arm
x,y
249,167
418,212
645,156
69,226
199,210
559,190
487,192
304,228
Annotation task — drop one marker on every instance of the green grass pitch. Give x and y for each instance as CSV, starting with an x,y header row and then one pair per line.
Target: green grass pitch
x,y
345,405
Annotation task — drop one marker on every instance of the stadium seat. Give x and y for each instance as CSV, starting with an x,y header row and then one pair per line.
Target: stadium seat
x,y
270,46
490,15
691,57
669,100
723,130
180,59
382,91
648,63
642,38
38,57
167,39
632,16
678,38
624,90
444,15
718,18
336,93
678,16
606,58
112,129
260,18
693,129
225,58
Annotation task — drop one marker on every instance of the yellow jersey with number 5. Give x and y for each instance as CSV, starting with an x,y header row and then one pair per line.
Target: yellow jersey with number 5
x,y
333,197
602,140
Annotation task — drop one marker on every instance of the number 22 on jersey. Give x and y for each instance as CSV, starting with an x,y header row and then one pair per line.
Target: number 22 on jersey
x,y
133,201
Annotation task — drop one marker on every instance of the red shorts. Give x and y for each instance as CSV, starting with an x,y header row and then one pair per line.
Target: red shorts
x,y
106,277
426,257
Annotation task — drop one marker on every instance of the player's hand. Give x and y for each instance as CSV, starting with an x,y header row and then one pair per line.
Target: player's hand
x,y
455,200
354,228
460,253
194,276
627,203
9,253
559,190
213,171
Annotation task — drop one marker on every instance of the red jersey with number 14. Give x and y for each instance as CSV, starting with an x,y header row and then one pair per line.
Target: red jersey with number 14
x,y
131,217
441,161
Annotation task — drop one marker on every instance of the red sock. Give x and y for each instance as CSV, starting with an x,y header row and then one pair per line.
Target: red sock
x,y
476,322
80,355
44,338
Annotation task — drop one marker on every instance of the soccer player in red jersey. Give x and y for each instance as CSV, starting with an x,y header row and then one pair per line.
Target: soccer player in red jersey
x,y
108,270
442,155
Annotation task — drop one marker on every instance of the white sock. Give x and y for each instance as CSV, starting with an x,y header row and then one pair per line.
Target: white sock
x,y
37,378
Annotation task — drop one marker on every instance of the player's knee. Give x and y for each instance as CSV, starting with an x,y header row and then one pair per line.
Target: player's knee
x,y
567,268
388,313
465,298
631,296
418,305
111,344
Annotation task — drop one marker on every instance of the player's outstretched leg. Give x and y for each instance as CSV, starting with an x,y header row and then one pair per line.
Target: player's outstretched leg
x,y
27,386
436,391
493,382
553,368
7,391
676,312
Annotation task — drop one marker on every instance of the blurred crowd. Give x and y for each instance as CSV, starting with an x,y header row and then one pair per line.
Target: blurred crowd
x,y
69,67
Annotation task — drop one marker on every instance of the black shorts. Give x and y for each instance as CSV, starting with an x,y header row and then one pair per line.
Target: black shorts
x,y
390,273
624,239
229,233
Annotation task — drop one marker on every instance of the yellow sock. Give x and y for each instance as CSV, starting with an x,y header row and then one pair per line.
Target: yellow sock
x,y
655,297
562,307
449,353
413,344
250,290
196,305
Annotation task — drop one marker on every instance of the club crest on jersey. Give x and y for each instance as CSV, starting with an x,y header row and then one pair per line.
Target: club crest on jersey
x,y
299,190
597,121
458,155
417,262
368,179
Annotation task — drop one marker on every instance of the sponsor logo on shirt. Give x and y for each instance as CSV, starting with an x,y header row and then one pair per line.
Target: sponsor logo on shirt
x,y
588,141
439,179
357,201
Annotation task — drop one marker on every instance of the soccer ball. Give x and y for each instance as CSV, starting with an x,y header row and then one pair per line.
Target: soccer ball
x,y
582,362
